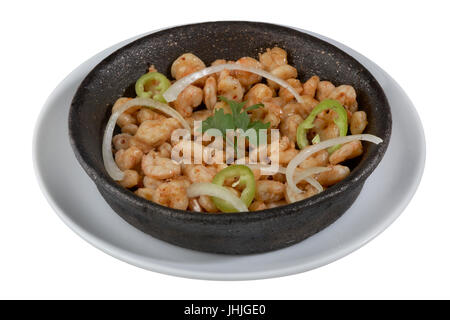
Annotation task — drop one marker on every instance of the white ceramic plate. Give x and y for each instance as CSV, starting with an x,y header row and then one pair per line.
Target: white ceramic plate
x,y
76,200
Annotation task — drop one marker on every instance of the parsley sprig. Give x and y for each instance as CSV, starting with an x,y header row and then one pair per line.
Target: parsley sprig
x,y
238,119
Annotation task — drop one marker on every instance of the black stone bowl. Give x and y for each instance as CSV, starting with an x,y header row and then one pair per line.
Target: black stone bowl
x,y
229,233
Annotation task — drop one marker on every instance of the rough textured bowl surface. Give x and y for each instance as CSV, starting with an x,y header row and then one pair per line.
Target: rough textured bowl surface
x,y
232,233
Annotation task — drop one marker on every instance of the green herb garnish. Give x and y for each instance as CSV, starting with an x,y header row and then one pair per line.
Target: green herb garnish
x,y
238,119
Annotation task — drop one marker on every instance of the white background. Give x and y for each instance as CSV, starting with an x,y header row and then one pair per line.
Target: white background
x,y
43,41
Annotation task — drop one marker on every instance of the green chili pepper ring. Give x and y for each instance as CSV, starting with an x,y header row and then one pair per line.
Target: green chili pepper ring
x,y
246,178
308,123
156,91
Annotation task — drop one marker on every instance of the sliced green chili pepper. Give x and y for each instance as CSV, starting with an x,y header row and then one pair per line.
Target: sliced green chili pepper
x,y
316,139
308,123
246,178
152,85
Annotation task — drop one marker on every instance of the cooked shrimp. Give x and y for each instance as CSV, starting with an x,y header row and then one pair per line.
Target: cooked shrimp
x,y
285,144
310,86
121,141
289,126
183,150
347,151
257,205
346,95
147,114
165,150
154,133
202,114
318,159
198,116
120,102
333,176
218,62
330,132
129,128
199,173
223,74
358,122
146,193
186,64
210,92
287,155
247,78
183,179
172,194
257,94
292,108
130,179
292,196
273,113
188,99
269,190
230,88
128,158
151,183
135,142
222,105
159,168
273,58
286,152
328,116
279,101
126,119
324,89
319,125
286,94
303,109
283,72
307,105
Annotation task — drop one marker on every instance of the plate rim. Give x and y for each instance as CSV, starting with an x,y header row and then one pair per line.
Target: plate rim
x,y
136,260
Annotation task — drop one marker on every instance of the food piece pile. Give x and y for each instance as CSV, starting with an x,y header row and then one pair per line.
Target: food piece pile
x,y
306,115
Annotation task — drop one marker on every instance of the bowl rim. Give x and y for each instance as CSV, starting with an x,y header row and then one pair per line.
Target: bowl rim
x,y
356,176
